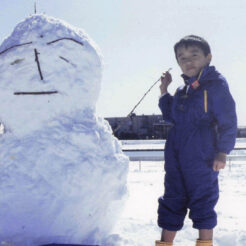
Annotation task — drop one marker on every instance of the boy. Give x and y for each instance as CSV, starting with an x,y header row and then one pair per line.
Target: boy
x,y
204,131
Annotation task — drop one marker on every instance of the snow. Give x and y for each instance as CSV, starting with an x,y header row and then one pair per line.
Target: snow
x,y
62,173
138,227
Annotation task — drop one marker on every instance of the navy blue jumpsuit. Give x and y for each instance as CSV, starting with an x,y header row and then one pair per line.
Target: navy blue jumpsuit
x,y
204,123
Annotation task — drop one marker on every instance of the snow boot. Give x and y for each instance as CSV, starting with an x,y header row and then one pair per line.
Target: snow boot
x,y
161,243
204,242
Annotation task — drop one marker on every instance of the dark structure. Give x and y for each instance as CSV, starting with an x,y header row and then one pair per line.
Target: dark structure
x,y
241,132
146,127
139,127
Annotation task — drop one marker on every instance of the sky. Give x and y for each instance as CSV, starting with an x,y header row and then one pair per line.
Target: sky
x,y
136,38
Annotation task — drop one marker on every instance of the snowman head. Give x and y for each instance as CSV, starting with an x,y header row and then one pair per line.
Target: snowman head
x,y
47,69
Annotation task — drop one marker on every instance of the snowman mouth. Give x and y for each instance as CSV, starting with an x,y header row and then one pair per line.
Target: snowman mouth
x,y
35,92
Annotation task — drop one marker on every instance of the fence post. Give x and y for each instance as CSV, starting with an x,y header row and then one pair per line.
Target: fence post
x,y
229,164
139,166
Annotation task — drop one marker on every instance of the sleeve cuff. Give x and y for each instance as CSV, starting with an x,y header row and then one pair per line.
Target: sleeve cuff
x,y
162,95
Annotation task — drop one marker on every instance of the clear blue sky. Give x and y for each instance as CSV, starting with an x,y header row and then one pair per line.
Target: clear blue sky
x,y
136,38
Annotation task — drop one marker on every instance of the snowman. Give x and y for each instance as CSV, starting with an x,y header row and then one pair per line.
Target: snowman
x,y
62,173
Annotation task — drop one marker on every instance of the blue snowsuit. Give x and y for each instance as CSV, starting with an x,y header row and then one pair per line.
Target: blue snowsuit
x,y
204,123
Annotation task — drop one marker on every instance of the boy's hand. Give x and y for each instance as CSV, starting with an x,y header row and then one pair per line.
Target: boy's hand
x,y
166,79
219,161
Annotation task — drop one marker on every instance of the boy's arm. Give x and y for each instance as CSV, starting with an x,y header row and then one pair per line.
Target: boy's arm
x,y
225,114
165,101
165,105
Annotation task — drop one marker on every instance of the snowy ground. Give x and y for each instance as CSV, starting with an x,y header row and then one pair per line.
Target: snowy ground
x,y
137,224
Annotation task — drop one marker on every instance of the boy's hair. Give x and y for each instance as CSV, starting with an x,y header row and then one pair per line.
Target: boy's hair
x,y
192,40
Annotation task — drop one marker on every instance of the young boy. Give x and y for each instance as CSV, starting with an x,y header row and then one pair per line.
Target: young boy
x,y
204,131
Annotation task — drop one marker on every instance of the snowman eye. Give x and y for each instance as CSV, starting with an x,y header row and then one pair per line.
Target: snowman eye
x,y
17,61
54,41
14,46
66,60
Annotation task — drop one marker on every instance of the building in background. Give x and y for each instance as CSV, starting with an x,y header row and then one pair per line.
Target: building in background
x,y
139,127
241,131
146,127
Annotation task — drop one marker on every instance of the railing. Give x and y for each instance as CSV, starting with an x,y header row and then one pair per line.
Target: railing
x,y
153,150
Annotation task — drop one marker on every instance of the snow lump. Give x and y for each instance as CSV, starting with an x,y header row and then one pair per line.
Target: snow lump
x,y
62,173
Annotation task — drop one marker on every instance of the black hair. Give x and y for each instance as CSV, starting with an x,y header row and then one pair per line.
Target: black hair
x,y
192,40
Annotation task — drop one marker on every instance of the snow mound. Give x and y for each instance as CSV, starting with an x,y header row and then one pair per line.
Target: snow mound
x,y
62,173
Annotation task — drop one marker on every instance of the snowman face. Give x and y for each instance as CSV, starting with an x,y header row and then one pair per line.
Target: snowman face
x,y
48,58
47,68
39,69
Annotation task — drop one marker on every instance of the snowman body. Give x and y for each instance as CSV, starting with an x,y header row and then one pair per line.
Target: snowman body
x,y
62,173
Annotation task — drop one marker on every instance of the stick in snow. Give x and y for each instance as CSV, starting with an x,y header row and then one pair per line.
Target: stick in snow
x,y
35,93
66,39
36,60
66,60
17,45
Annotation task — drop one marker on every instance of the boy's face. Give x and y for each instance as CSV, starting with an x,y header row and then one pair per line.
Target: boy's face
x,y
191,60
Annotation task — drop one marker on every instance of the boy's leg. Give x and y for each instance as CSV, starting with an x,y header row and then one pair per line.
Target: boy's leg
x,y
168,236
206,234
173,205
205,238
202,186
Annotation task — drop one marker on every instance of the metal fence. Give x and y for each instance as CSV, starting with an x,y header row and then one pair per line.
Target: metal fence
x,y
153,150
